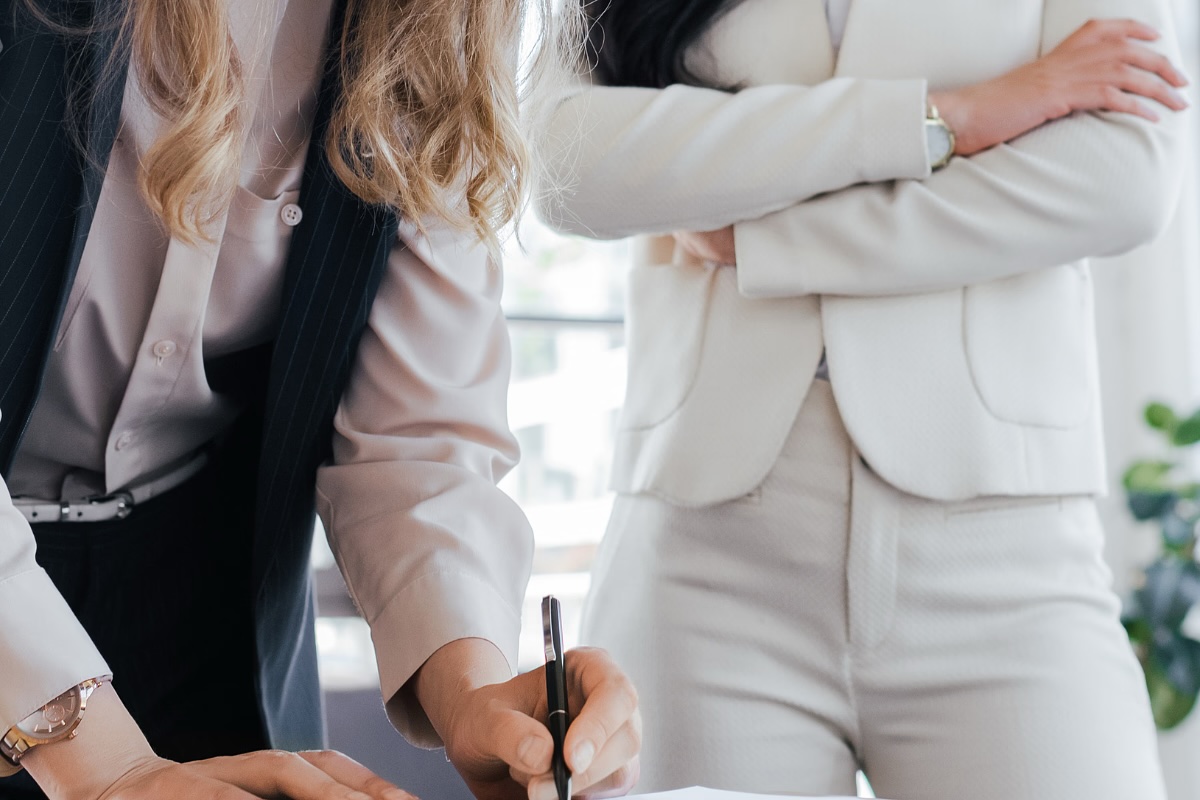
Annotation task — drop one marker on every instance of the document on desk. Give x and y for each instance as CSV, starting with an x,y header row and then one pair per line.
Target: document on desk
x,y
701,793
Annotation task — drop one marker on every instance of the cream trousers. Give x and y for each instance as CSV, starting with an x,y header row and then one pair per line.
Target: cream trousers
x,y
828,622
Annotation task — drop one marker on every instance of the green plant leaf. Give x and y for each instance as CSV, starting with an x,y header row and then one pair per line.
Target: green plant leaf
x,y
1139,630
1170,706
1147,476
1169,590
1177,532
1149,505
1161,417
1190,491
1187,432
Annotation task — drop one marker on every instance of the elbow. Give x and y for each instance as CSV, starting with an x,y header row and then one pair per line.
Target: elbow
x,y
573,190
1139,207
563,206
554,204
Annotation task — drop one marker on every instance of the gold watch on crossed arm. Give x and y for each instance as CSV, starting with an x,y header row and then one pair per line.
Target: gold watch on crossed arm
x,y
57,720
939,138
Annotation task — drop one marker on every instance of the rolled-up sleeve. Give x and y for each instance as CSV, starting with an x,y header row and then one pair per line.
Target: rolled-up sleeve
x,y
431,549
43,649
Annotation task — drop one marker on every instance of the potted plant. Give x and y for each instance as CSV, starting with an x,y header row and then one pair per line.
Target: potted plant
x,y
1154,613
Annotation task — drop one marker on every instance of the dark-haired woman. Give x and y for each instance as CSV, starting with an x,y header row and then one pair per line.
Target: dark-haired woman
x,y
244,272
855,525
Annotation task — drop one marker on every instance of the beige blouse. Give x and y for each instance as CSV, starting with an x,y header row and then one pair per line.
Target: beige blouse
x,y
431,549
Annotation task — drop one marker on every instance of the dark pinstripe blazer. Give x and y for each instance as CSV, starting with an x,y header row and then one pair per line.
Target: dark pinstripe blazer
x,y
48,193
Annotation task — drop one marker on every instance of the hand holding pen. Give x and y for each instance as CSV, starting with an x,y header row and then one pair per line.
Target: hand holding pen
x,y
495,729
607,713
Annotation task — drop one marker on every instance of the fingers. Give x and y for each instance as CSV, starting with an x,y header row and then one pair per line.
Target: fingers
x,y
618,784
696,245
519,740
175,781
610,770
613,771
1156,64
1133,29
1116,100
350,773
196,786
502,735
610,702
1152,75
1115,30
324,775
1112,72
1146,85
714,246
273,773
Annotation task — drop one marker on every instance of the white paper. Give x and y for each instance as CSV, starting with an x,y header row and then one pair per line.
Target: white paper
x,y
702,793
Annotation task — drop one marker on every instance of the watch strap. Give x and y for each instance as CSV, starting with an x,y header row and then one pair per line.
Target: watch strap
x,y
15,744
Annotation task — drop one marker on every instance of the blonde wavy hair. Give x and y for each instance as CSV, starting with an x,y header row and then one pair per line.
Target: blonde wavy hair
x,y
426,123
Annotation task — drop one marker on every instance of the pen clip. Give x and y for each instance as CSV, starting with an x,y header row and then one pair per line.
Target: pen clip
x,y
548,629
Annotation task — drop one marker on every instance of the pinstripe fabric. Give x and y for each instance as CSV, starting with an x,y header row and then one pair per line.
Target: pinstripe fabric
x,y
336,261
47,191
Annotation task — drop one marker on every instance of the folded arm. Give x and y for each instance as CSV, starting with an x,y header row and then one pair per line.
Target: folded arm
x,y
1091,184
621,161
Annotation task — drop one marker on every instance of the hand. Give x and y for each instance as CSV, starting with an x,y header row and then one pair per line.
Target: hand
x,y
714,246
1100,67
497,739
110,759
315,775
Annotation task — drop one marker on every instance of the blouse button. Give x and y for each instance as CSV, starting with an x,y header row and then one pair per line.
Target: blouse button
x,y
164,349
291,214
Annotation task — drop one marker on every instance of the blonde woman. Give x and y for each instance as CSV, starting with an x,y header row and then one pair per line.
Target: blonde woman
x,y
246,272
855,524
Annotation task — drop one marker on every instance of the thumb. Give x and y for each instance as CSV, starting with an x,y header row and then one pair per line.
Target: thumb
x,y
502,728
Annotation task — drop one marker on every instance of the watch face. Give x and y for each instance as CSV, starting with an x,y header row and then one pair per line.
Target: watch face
x,y
937,140
53,719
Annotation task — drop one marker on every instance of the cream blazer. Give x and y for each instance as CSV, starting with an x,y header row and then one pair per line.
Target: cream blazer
x,y
955,308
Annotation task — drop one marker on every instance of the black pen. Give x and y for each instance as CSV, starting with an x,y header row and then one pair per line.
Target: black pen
x,y
557,717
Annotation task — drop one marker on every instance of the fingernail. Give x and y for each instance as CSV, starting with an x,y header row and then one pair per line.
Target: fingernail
x,y
396,794
531,752
542,790
581,757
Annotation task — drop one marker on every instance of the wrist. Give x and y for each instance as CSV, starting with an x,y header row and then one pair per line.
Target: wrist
x,y
954,107
107,745
449,675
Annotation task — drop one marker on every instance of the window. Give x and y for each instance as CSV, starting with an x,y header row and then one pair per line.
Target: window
x,y
564,298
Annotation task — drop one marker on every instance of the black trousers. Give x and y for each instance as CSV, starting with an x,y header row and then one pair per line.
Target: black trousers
x,y
165,595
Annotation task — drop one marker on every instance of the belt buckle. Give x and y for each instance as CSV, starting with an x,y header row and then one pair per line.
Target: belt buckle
x,y
123,500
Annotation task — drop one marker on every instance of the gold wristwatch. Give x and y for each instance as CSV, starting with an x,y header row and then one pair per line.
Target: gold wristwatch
x,y
57,720
939,138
